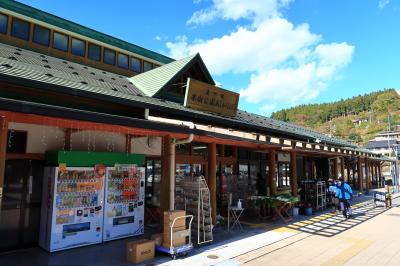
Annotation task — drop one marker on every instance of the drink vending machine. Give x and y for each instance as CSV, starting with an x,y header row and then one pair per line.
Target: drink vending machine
x,y
124,202
88,205
72,207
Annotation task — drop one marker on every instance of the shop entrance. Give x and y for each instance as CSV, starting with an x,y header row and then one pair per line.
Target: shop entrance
x,y
20,210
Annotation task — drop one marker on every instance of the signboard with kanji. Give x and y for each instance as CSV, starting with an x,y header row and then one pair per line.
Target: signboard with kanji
x,y
205,97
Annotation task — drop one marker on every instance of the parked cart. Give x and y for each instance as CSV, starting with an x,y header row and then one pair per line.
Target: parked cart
x,y
182,250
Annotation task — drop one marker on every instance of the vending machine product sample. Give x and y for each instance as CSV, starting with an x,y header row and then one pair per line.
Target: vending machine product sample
x,y
124,202
72,207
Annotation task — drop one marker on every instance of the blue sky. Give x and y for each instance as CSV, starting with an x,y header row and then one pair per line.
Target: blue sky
x,y
276,53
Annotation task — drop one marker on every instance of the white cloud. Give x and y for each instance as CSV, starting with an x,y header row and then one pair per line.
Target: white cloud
x,y
290,85
383,3
255,10
268,108
246,50
287,63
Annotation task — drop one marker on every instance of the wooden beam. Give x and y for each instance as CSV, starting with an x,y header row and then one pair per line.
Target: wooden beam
x,y
82,125
293,173
212,178
25,156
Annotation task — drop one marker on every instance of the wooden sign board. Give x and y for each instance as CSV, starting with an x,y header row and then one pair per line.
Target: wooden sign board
x,y
205,97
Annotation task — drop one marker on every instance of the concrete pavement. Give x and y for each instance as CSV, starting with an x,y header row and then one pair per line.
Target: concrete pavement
x,y
370,238
374,241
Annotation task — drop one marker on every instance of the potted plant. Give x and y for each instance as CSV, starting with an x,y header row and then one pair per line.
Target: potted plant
x,y
308,209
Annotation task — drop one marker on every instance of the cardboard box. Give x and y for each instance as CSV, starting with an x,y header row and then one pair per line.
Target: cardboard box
x,y
180,241
169,217
158,238
140,250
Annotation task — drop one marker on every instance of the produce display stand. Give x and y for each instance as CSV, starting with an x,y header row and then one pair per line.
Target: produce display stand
x,y
280,204
283,206
183,250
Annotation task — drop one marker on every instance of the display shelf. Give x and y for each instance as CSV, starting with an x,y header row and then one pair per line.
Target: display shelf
x,y
314,192
193,195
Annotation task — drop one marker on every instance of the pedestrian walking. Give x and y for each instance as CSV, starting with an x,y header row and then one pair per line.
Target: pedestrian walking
x,y
344,193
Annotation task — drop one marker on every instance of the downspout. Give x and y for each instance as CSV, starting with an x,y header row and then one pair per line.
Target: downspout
x,y
171,155
172,168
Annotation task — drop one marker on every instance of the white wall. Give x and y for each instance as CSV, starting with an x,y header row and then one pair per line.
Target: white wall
x,y
40,138
147,145
46,138
98,141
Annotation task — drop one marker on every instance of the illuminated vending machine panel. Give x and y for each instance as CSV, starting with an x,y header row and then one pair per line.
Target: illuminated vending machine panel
x,y
72,209
124,202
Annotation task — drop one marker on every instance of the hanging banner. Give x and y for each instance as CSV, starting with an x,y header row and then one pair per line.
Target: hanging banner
x,y
205,97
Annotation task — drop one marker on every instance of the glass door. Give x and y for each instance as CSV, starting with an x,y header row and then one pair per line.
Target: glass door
x,y
21,205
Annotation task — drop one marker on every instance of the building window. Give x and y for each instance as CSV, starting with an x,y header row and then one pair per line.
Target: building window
x,y
109,56
17,141
78,47
283,175
123,61
94,52
147,66
136,65
3,23
20,29
41,35
60,41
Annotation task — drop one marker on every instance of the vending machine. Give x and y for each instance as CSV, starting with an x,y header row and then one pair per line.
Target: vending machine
x,y
124,202
72,207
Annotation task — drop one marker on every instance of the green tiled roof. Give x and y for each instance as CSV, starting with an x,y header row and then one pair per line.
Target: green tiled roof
x,y
82,30
24,63
34,67
153,81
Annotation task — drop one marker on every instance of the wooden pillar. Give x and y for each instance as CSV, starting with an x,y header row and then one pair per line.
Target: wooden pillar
x,y
373,175
272,173
348,173
212,178
3,152
380,175
376,175
335,169
165,172
360,175
342,169
128,143
67,139
367,185
293,173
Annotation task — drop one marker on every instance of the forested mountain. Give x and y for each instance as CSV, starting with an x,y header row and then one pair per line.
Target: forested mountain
x,y
356,119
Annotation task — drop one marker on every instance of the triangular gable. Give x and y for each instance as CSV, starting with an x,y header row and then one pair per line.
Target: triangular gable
x,y
153,82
